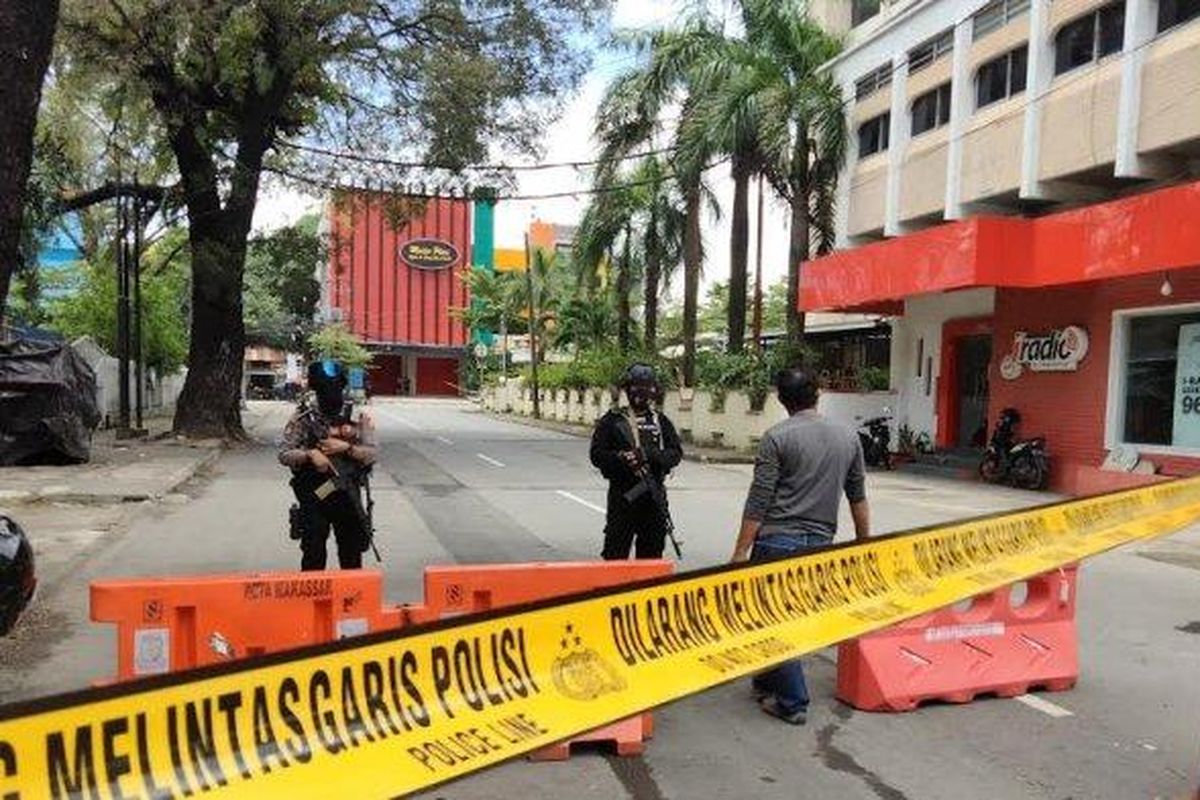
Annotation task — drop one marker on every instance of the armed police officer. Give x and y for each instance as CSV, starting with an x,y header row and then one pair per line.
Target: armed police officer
x,y
330,452
635,448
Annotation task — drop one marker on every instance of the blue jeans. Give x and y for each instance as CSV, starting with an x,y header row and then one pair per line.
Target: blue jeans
x,y
785,682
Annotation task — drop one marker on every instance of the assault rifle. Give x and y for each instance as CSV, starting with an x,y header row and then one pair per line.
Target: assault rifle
x,y
648,484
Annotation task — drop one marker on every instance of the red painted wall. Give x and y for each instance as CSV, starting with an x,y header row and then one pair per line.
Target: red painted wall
x,y
382,298
437,376
1069,408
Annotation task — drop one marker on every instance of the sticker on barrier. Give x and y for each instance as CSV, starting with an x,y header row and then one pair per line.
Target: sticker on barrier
x,y
398,711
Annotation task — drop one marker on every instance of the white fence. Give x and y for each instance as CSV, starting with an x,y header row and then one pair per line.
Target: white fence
x,y
159,394
697,417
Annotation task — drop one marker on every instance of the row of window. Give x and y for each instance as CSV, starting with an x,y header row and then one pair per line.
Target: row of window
x,y
863,10
1080,42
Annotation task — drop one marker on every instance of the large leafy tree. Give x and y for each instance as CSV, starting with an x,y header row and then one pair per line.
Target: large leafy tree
x,y
234,82
281,294
26,40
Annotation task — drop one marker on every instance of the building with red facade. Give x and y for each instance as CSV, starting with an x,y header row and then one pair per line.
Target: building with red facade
x,y
394,277
1086,321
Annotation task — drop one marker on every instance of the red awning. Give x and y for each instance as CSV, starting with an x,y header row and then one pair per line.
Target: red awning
x,y
1134,235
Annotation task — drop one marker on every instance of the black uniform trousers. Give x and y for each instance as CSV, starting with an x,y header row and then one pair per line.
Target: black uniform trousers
x,y
637,526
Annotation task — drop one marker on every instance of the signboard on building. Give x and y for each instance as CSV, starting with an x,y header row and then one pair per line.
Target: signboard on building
x,y
1060,350
429,254
1186,430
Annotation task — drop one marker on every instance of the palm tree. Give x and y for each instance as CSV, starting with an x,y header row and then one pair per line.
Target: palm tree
x,y
498,300
637,213
630,119
799,122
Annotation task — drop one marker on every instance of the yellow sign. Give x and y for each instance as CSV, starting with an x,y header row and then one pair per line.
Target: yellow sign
x,y
396,712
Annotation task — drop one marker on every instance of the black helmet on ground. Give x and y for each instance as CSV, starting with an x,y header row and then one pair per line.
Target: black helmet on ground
x,y
17,580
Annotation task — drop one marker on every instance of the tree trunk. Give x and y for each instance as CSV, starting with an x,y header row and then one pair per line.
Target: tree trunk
x,y
210,404
650,289
692,262
739,251
26,40
799,243
624,287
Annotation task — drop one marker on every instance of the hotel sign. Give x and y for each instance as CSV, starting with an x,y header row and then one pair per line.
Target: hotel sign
x,y
429,254
1060,350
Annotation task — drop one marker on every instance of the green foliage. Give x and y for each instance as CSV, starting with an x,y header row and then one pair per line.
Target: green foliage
x,y
89,308
911,443
875,379
498,299
280,292
600,367
336,342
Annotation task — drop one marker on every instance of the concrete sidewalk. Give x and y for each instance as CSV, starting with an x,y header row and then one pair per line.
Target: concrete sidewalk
x,y
122,471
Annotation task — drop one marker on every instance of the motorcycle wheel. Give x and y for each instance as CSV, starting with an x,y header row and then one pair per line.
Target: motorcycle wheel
x,y
990,469
1029,473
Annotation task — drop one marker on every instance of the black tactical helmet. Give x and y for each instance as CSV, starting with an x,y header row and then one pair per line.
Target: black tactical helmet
x,y
639,375
17,580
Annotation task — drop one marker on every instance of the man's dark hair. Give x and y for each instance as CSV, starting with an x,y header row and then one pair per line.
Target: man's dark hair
x,y
797,390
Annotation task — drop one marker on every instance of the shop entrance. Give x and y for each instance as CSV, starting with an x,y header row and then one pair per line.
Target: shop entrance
x,y
963,383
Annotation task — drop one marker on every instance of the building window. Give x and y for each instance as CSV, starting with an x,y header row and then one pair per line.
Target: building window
x,y
996,15
931,110
1091,37
1176,12
873,81
1001,77
863,10
928,52
873,135
1161,383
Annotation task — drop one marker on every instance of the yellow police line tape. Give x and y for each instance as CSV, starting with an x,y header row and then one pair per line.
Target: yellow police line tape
x,y
394,712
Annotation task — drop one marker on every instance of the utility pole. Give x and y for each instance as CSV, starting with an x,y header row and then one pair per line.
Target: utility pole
x,y
533,348
139,363
123,337
758,288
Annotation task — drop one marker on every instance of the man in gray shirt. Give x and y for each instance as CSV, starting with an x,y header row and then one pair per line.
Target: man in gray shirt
x,y
804,465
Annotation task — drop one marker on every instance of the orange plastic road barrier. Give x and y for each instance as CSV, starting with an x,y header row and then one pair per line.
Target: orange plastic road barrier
x,y
170,624
996,647
454,590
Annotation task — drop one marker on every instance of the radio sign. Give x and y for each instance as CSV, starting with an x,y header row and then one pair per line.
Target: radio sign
x,y
429,254
1057,351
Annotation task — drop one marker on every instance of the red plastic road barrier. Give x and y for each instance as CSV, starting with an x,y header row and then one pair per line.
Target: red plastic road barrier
x,y
455,590
170,624
993,647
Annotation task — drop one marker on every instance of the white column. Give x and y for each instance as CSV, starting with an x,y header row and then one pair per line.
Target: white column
x,y
898,136
962,101
1140,24
846,177
1037,82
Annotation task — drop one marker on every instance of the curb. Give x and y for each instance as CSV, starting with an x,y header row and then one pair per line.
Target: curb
x,y
584,432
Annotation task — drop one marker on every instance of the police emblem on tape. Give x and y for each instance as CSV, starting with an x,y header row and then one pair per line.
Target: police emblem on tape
x,y
580,672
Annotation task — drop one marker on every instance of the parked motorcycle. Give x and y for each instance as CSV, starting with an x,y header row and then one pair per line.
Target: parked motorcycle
x,y
876,438
1020,463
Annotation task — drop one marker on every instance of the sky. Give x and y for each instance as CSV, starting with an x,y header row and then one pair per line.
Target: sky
x,y
569,139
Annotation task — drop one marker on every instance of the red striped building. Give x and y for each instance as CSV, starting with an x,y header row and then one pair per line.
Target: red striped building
x,y
395,274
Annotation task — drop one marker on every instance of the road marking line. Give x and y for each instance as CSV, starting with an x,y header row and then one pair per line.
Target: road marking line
x,y
490,460
400,419
581,501
1044,706
444,440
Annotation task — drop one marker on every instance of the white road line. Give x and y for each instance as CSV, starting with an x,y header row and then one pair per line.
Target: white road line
x,y
393,416
581,501
490,460
1044,706
444,440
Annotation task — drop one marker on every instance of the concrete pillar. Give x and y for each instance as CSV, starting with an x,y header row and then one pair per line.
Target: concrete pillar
x,y
962,103
898,136
846,176
1037,83
1141,21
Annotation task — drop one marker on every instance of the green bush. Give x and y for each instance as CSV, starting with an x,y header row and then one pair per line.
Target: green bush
x,y
874,379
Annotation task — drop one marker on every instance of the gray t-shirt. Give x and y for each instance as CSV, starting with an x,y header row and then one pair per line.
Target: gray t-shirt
x,y
804,465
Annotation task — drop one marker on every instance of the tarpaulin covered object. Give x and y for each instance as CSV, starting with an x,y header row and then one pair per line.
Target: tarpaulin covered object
x,y
47,404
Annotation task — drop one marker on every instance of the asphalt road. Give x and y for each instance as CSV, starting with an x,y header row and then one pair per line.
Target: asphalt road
x,y
457,486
